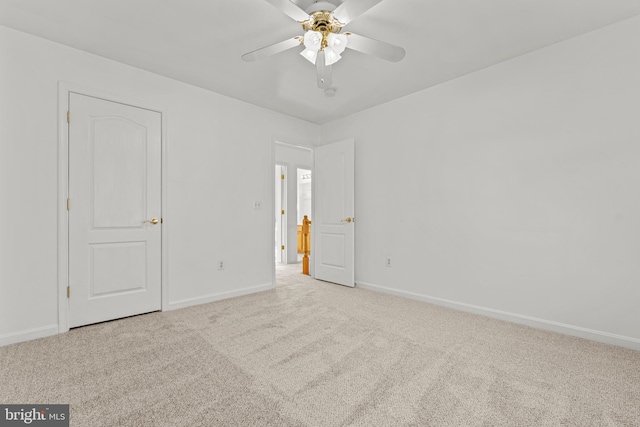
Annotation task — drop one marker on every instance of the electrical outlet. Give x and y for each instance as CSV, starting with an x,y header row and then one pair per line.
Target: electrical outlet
x,y
388,262
257,205
220,265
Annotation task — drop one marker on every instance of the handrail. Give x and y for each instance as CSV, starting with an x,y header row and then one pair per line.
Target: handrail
x,y
306,230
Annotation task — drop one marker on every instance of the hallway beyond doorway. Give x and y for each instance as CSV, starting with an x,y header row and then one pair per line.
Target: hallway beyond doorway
x,y
290,274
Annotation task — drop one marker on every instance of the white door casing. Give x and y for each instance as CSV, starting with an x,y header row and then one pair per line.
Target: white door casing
x,y
114,191
281,223
333,224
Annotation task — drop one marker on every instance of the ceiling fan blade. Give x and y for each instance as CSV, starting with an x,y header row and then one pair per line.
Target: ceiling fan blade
x,y
323,72
351,9
290,9
271,50
375,47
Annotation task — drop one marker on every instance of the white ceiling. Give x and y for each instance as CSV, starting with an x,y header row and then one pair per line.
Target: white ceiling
x,y
201,42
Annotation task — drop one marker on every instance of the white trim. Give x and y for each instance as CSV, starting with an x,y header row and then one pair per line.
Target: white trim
x,y
272,192
164,214
298,147
63,193
64,89
28,334
312,258
284,223
549,325
219,296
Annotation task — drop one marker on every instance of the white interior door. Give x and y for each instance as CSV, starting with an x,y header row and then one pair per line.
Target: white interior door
x,y
115,201
333,224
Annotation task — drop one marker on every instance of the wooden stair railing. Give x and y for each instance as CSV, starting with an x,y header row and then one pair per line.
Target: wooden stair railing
x,y
306,240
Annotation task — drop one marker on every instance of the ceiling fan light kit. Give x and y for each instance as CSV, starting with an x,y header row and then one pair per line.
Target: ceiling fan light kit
x,y
331,44
323,43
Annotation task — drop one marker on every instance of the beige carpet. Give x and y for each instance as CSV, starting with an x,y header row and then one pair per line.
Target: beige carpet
x,y
315,354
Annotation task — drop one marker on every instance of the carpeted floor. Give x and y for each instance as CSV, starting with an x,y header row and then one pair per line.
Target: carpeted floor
x,y
310,353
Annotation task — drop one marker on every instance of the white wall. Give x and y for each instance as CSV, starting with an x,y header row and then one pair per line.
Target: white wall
x,y
513,191
209,213
293,157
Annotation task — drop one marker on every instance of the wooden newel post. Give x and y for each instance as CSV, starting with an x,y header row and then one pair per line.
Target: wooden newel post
x,y
305,244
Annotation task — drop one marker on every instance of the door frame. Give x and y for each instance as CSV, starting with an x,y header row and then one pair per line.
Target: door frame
x,y
64,89
283,218
280,141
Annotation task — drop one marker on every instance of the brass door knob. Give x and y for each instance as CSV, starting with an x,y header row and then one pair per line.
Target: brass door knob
x,y
346,220
152,221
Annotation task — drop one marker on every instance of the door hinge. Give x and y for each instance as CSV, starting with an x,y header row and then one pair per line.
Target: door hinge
x,y
282,176
68,291
283,247
282,211
68,204
68,116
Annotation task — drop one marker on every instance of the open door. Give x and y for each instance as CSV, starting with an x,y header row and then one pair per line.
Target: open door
x,y
333,242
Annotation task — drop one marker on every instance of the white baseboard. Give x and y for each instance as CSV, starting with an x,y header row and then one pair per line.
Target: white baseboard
x,y
219,296
549,325
28,334
45,331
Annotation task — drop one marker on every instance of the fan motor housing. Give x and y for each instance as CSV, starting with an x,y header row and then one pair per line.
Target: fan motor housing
x,y
322,21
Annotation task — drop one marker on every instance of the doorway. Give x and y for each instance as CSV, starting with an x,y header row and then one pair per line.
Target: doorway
x,y
303,197
331,170
292,200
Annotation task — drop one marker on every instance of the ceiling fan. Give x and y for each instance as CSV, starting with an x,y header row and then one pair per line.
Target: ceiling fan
x,y
323,41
